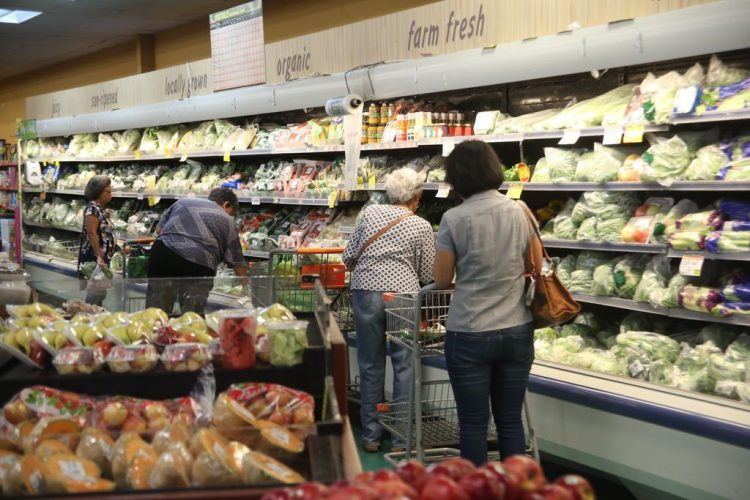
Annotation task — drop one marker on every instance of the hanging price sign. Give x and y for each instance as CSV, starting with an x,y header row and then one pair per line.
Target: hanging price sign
x,y
514,190
691,265
570,136
443,189
633,133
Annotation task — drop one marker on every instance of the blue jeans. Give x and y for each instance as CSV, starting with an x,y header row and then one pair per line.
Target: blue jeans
x,y
369,320
490,369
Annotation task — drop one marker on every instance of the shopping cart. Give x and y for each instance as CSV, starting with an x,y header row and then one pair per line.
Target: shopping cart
x,y
427,420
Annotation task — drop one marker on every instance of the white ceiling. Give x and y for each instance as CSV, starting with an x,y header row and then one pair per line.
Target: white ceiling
x,y
72,28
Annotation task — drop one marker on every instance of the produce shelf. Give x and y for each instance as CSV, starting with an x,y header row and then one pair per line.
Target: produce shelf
x,y
634,186
672,312
606,247
64,266
51,226
711,116
733,256
258,254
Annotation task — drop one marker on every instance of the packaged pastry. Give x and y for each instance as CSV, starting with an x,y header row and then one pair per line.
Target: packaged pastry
x,y
185,357
97,446
78,361
132,358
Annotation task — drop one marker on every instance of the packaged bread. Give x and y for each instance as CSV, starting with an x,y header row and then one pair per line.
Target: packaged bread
x,y
7,460
176,432
49,447
27,476
139,470
67,472
172,468
207,471
97,446
63,429
127,448
208,441
260,469
279,443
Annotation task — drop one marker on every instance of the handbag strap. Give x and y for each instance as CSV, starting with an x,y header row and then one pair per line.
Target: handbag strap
x,y
380,233
535,227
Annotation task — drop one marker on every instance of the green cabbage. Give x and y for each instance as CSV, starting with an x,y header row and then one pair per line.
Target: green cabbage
x,y
610,229
666,160
564,229
587,230
545,334
628,274
561,163
707,163
604,280
653,345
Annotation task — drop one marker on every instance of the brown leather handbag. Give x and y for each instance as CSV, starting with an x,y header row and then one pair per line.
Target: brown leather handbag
x,y
550,302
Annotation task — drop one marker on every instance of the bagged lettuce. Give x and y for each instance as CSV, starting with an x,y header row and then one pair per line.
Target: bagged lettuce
x,y
547,334
541,171
607,337
735,171
588,319
587,230
609,362
610,230
573,329
655,277
666,225
738,292
659,93
588,260
666,160
739,349
636,322
561,163
581,212
693,365
523,123
719,74
604,280
718,334
669,296
699,299
707,164
704,221
628,274
564,228
581,281
653,345
591,112
565,268
687,240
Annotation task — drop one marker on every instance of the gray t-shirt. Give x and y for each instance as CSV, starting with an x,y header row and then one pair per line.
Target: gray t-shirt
x,y
200,231
489,234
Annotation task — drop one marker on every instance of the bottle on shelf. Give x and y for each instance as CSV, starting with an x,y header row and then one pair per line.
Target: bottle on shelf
x,y
374,114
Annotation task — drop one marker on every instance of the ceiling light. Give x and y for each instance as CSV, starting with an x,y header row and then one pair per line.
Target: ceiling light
x,y
17,16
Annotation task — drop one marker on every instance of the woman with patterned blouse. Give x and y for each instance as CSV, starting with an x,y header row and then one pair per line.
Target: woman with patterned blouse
x,y
391,250
97,236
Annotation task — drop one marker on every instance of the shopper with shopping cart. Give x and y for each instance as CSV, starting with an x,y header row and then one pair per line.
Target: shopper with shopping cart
x,y
97,244
195,236
489,345
390,250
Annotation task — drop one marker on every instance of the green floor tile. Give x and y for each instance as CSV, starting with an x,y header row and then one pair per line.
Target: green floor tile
x,y
371,461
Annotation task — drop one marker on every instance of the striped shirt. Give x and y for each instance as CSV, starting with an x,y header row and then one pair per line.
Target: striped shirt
x,y
201,232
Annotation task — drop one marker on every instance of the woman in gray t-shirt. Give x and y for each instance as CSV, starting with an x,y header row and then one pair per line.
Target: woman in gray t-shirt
x,y
489,342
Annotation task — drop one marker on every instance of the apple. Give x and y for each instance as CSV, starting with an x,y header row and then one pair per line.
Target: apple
x,y
17,412
507,480
386,475
365,477
548,492
481,484
354,492
283,494
156,410
442,488
134,424
310,491
578,486
114,414
394,489
459,467
527,470
103,345
410,472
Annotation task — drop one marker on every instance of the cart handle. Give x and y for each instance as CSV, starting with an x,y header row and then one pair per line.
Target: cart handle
x,y
312,250
140,240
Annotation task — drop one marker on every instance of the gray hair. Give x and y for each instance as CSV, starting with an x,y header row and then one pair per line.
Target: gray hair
x,y
222,195
403,185
96,186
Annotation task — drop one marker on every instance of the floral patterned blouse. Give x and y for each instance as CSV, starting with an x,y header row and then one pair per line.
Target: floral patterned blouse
x,y
105,231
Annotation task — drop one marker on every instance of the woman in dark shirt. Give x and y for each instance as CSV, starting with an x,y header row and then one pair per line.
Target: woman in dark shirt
x,y
97,236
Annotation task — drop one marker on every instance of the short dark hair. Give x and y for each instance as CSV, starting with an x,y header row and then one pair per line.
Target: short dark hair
x,y
473,167
224,195
96,186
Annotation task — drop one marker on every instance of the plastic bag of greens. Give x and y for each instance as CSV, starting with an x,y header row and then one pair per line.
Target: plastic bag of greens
x,y
610,230
607,338
599,201
666,160
707,164
561,163
655,277
513,124
666,225
653,345
704,221
687,240
564,229
589,113
697,298
128,141
720,74
589,260
586,167
663,372
548,230
609,362
659,93
635,321
541,171
722,367
581,281
638,229
588,319
735,171
739,350
547,334
572,329
718,334
602,165
604,280
628,274
565,268
736,225
581,212
739,292
587,230
669,296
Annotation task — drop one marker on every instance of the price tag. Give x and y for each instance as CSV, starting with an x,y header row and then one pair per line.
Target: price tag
x,y
140,196
570,136
332,199
371,182
255,200
226,156
691,265
168,152
57,163
612,135
448,147
633,133
183,158
360,182
514,190
153,200
524,172
137,155
443,189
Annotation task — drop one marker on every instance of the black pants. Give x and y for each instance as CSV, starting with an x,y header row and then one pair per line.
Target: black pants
x,y
192,294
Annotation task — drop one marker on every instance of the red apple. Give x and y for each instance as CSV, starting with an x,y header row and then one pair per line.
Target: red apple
x,y
528,472
338,485
104,346
481,484
410,472
442,488
548,492
396,489
310,491
384,475
282,494
578,486
459,467
507,479
364,477
354,492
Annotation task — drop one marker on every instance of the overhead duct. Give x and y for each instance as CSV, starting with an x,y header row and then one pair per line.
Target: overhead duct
x,y
671,35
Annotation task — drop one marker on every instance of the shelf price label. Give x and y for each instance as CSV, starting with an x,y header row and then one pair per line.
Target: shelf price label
x,y
691,265
371,182
633,133
153,200
443,189
514,190
255,200
332,199
448,147
226,156
184,157
137,155
612,135
570,136
360,182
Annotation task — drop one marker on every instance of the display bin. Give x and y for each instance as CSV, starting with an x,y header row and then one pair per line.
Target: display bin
x,y
330,451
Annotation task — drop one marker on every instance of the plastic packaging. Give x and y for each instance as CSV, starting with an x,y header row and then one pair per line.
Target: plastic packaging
x,y
628,274
604,280
666,160
631,169
610,230
287,342
185,357
132,358
78,361
735,209
687,240
237,338
731,308
638,229
700,299
561,164
97,446
708,162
